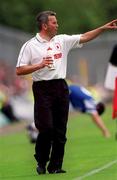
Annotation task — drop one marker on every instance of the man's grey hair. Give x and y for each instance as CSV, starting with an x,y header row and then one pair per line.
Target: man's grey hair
x,y
42,18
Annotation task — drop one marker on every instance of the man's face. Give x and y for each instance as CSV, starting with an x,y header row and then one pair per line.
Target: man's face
x,y
52,26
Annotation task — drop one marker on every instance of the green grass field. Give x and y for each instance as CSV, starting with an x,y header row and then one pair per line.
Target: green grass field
x,y
88,154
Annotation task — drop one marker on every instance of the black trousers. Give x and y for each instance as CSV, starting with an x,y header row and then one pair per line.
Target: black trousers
x,y
51,105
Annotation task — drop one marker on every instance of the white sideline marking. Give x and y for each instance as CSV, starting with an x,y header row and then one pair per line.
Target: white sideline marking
x,y
96,170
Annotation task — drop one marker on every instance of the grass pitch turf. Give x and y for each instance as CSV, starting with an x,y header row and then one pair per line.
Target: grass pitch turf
x,y
87,151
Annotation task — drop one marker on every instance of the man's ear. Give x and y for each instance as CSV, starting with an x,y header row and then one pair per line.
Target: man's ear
x,y
44,26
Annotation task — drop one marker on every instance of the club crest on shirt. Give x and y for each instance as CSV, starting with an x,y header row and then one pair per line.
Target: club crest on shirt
x,y
58,46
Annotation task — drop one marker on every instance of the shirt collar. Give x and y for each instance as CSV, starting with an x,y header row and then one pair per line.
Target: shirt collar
x,y
39,38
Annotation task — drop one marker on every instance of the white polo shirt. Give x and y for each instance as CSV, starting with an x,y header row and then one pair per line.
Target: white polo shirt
x,y
34,50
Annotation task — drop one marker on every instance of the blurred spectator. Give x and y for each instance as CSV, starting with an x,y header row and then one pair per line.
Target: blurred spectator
x,y
22,98
15,95
5,93
6,107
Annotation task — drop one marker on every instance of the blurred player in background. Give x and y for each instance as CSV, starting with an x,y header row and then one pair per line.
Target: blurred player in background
x,y
83,101
111,73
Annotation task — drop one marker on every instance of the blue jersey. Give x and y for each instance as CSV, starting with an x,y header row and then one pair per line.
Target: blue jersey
x,y
81,99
